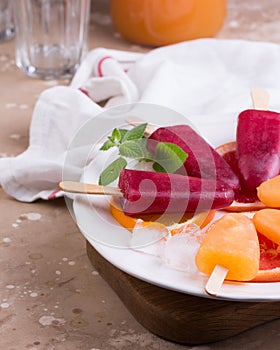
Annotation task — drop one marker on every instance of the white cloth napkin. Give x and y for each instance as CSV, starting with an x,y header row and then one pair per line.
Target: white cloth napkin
x,y
205,79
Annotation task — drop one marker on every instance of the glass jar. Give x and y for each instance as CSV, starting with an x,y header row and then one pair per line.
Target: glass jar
x,y
163,22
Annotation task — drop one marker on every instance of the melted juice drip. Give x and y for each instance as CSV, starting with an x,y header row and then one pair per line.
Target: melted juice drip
x,y
244,195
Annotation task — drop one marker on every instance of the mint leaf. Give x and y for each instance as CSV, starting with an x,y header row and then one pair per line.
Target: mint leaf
x,y
169,157
107,145
135,149
112,171
116,135
136,133
114,139
122,132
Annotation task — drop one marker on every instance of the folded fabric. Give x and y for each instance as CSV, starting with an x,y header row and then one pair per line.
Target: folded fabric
x,y
201,79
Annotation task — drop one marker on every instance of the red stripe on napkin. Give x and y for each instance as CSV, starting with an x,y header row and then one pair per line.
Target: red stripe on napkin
x,y
55,194
99,64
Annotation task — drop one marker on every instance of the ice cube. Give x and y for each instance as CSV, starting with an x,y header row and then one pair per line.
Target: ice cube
x,y
179,251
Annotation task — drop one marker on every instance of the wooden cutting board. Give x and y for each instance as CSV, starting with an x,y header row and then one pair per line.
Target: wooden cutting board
x,y
180,317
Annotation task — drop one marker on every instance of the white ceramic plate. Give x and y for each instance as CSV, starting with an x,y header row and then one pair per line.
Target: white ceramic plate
x,y
103,233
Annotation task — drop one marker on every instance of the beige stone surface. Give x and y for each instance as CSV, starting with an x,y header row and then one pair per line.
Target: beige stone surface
x,y
50,295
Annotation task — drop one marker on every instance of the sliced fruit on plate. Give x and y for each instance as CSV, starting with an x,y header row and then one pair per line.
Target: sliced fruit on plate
x,y
269,270
202,219
228,152
126,221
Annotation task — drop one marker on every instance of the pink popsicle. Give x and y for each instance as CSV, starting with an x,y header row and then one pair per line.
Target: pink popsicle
x,y
258,146
203,161
147,192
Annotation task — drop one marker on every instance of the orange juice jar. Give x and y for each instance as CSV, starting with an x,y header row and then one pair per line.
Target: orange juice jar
x,y
163,22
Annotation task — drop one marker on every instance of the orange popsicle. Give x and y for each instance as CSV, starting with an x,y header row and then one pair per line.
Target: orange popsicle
x,y
269,192
267,222
231,242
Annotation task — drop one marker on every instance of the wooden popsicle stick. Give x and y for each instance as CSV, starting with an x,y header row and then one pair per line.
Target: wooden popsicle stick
x,y
137,121
260,98
79,187
216,280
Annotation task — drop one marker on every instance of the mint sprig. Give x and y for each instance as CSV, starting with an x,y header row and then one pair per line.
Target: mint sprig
x,y
131,144
168,157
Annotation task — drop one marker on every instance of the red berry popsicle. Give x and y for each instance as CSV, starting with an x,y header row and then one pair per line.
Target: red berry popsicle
x,y
258,146
203,161
147,192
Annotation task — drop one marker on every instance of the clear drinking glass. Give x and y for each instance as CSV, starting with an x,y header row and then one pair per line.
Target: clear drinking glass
x,y
51,36
6,20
